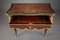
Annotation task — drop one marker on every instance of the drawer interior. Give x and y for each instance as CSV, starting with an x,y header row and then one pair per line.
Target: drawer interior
x,y
30,19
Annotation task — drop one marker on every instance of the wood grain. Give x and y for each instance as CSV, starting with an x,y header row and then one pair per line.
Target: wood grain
x,y
31,8
30,19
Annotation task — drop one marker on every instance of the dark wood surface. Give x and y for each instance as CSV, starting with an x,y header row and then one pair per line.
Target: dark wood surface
x,y
30,19
31,8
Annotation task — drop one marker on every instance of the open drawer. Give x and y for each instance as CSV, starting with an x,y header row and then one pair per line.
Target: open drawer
x,y
30,22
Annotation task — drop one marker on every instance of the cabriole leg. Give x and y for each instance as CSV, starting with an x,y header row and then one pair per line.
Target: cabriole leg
x,y
15,31
45,32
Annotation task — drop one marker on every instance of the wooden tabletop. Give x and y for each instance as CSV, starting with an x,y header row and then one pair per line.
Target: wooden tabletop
x,y
34,8
20,8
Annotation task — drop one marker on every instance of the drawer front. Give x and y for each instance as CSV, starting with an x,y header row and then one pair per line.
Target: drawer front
x,y
41,26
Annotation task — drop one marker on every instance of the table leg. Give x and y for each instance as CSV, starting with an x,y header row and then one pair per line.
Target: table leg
x,y
15,31
45,32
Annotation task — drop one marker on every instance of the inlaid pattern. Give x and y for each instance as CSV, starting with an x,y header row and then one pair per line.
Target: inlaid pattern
x,y
31,8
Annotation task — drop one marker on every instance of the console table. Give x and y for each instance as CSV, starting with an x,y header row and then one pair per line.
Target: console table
x,y
30,16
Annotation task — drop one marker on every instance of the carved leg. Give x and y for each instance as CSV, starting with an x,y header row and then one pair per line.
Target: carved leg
x,y
15,31
45,32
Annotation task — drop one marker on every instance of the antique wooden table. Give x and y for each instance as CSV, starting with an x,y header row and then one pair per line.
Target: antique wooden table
x,y
30,16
